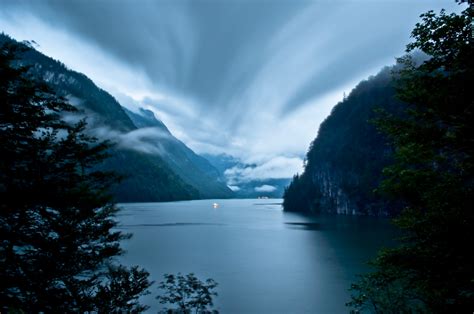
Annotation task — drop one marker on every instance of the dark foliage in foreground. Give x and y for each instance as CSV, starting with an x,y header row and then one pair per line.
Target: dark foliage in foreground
x,y
432,269
56,217
188,293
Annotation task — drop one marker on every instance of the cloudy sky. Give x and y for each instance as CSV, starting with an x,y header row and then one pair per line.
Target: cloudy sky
x,y
251,78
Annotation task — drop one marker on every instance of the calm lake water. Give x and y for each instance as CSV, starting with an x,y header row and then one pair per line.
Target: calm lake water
x,y
265,260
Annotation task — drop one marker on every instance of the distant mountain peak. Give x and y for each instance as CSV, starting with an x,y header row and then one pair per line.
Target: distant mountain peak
x,y
148,114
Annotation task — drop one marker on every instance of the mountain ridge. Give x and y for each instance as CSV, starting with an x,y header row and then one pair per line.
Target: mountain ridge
x,y
147,177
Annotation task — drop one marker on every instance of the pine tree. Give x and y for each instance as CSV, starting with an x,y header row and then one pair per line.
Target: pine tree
x,y
431,270
56,216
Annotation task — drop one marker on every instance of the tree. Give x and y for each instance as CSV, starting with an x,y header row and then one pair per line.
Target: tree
x,y
188,293
122,289
56,216
431,270
301,194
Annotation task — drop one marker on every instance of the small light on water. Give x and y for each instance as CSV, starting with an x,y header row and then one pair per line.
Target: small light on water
x,y
215,205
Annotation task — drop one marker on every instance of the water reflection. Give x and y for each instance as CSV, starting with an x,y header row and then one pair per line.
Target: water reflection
x,y
313,226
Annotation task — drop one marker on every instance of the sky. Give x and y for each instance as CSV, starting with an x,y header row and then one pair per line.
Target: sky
x,y
249,78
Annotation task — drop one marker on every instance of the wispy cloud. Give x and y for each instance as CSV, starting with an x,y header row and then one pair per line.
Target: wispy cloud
x,y
275,168
250,78
145,140
234,188
265,188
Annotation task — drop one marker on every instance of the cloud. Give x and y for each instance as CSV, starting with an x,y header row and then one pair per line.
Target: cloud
x,y
234,188
158,37
265,188
275,168
253,79
145,140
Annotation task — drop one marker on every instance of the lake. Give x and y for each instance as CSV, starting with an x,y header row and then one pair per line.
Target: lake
x,y
265,260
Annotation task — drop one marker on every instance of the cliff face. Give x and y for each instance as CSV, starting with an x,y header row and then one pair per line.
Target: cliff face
x,y
344,163
334,198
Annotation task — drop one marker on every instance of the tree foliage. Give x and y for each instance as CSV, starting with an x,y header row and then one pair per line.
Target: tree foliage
x,y
188,293
301,194
431,270
56,216
121,290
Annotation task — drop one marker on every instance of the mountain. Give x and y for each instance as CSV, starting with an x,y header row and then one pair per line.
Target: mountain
x,y
271,188
344,163
155,165
192,168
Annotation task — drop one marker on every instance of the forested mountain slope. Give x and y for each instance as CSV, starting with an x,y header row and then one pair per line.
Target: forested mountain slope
x,y
156,174
344,163
192,168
